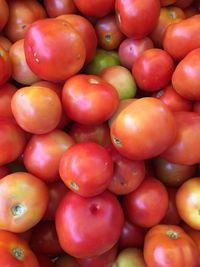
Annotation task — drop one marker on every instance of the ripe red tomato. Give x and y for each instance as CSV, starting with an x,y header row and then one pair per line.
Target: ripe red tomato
x,y
26,197
169,245
141,205
94,222
138,136
14,251
51,60
36,109
88,99
56,8
7,91
133,19
5,66
86,168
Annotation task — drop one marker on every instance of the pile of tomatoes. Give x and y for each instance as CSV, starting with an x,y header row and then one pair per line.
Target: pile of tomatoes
x,y
100,133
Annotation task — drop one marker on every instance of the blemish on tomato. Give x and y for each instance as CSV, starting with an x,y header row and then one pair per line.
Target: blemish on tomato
x,y
18,253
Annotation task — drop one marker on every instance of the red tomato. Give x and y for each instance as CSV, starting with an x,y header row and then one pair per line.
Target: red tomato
x,y
188,202
14,251
127,175
186,147
133,19
26,197
12,141
5,66
43,153
169,245
153,69
130,49
21,15
57,191
86,31
95,8
96,223
44,239
108,34
88,99
185,79
138,136
172,99
4,13
183,37
56,8
86,168
36,109
7,91
5,43
51,60
141,205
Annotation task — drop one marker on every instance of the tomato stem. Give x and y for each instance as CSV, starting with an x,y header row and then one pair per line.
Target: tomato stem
x,y
172,234
18,209
18,253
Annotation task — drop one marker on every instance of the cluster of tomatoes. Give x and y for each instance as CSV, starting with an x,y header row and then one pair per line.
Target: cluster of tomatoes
x,y
100,133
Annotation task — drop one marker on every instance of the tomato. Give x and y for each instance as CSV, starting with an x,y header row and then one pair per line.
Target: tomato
x,y
56,8
94,133
21,15
186,147
86,31
188,202
12,140
96,223
169,245
95,8
138,136
4,13
188,72
7,90
132,16
5,66
44,239
141,205
168,15
58,64
131,236
57,191
44,261
43,153
104,260
172,174
172,99
26,197
153,69
127,175
183,37
14,251
122,79
108,34
86,168
88,99
20,70
36,109
130,257
66,260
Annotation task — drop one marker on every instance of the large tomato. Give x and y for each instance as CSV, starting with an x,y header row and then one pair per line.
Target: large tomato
x,y
140,136
133,19
50,59
88,227
169,245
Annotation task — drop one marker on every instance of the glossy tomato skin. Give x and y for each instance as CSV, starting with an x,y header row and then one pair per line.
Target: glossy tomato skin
x,y
86,168
7,91
141,205
96,222
43,153
58,64
169,245
56,8
5,66
14,251
27,198
188,202
36,109
183,37
88,99
137,136
153,69
185,149
12,141
187,70
133,21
